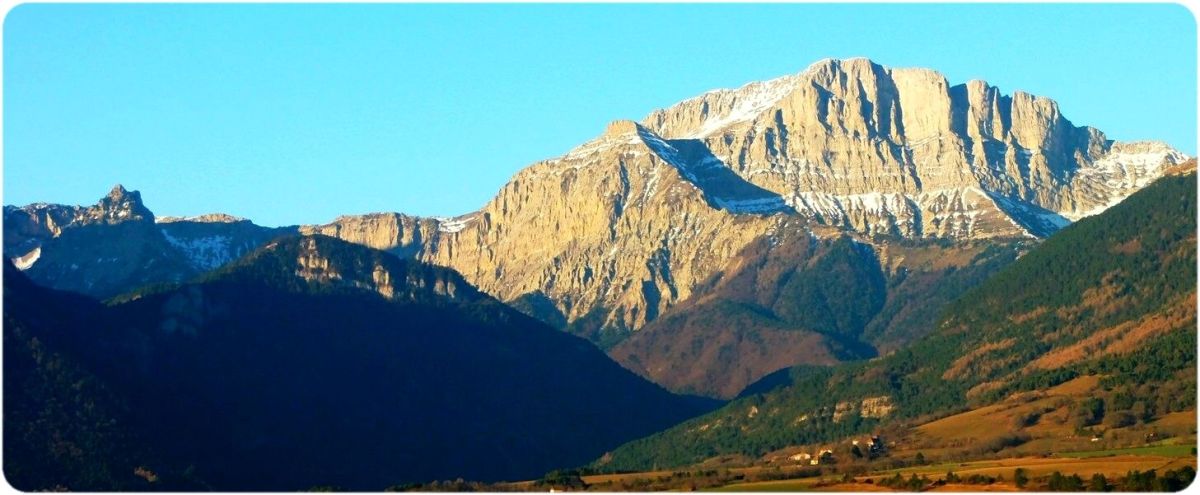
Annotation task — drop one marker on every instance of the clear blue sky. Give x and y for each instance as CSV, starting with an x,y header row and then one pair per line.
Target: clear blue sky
x,y
295,114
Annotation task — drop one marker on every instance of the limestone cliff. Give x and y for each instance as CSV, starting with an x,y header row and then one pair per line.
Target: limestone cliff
x,y
401,234
876,149
619,229
615,230
330,264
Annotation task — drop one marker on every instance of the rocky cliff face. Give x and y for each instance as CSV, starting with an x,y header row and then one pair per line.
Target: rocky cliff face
x,y
398,233
324,261
616,231
609,235
875,149
613,232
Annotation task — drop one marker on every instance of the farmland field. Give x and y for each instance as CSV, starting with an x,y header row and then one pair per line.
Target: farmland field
x,y
1110,463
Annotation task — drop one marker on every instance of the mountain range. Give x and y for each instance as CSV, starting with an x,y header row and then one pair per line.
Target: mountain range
x,y
625,235
860,246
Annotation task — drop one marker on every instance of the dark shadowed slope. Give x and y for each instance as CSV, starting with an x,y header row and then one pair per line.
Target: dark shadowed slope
x,y
64,426
317,362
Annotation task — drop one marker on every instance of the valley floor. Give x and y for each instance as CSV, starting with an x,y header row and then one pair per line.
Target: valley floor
x,y
986,475
975,445
1111,463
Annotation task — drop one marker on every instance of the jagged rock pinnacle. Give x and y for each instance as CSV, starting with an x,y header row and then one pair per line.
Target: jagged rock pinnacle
x,y
120,205
118,191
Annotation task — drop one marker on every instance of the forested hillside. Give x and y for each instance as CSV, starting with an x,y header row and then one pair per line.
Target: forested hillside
x,y
1112,295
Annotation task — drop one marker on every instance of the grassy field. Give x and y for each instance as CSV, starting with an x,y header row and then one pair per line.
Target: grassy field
x,y
1111,463
769,486
1051,431
1154,450
800,486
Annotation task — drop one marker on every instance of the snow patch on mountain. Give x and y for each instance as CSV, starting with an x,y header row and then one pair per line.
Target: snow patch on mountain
x,y
205,218
453,225
204,253
1124,170
749,102
603,143
760,205
1031,220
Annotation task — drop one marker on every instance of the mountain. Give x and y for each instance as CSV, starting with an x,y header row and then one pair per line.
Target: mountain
x,y
1111,297
736,322
118,245
608,237
309,362
902,150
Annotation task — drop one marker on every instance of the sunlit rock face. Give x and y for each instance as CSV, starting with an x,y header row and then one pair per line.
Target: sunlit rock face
x,y
902,151
617,230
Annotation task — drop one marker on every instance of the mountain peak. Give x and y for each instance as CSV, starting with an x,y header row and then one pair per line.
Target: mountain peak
x,y
120,205
118,191
621,128
851,62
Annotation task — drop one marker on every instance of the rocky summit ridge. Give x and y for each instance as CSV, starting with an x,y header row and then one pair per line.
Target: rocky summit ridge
x,y
619,229
25,228
118,245
901,150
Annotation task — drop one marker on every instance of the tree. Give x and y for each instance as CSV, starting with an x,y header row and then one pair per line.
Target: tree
x,y
1094,408
1098,484
1087,412
894,482
1020,477
1119,419
856,452
915,483
1026,419
1137,481
1140,411
920,459
1060,483
563,479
